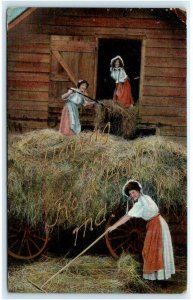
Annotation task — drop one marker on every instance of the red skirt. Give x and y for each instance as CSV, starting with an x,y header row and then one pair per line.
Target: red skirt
x,y
122,94
153,250
65,122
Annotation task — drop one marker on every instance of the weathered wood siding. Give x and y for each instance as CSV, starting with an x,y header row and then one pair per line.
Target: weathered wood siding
x,y
163,61
28,71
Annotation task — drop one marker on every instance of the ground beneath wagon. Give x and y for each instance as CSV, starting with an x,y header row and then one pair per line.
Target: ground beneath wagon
x,y
91,274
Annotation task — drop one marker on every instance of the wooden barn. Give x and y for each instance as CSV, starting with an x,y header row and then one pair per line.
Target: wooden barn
x,y
49,49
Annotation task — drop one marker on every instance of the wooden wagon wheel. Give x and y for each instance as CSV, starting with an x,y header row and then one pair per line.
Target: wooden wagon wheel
x,y
127,238
25,242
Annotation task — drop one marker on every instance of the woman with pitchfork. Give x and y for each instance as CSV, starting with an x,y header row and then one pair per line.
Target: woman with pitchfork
x,y
74,98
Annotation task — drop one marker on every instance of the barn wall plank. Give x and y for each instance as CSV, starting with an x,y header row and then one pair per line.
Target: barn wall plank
x,y
177,62
27,105
164,101
166,43
174,121
163,111
28,115
15,66
170,72
28,57
164,52
18,85
28,96
180,131
164,91
165,81
25,126
24,76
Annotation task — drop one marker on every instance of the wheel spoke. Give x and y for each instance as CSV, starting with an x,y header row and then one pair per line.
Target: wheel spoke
x,y
15,229
25,242
34,243
13,244
28,248
122,244
12,235
122,229
129,236
38,237
128,225
22,243
118,237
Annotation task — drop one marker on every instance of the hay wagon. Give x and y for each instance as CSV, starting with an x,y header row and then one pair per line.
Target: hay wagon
x,y
26,242
76,182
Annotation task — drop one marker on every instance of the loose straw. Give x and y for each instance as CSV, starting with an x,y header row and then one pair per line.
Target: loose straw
x,y
65,267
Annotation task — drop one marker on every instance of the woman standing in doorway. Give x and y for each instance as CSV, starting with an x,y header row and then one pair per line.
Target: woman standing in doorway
x,y
74,98
157,251
122,94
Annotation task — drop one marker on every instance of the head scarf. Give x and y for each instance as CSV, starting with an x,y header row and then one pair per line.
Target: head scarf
x,y
115,58
81,81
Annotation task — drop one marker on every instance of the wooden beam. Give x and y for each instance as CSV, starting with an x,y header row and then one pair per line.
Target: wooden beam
x,y
60,59
20,18
74,46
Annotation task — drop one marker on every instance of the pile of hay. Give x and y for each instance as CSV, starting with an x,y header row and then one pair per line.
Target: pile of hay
x,y
92,274
89,274
122,121
68,180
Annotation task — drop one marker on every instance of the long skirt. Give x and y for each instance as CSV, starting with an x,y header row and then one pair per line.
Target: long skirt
x,y
122,94
65,123
158,251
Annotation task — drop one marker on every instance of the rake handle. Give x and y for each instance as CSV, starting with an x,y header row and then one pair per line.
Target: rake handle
x,y
74,259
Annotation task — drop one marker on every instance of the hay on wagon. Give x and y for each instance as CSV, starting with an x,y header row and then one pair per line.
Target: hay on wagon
x,y
78,179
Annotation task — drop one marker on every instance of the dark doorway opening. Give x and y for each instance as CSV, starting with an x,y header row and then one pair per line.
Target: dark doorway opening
x,y
130,51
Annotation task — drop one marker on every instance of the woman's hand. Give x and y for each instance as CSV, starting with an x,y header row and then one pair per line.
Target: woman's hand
x,y
65,96
111,228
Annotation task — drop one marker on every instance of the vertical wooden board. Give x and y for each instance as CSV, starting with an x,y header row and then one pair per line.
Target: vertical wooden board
x,y
86,69
142,68
71,59
55,67
57,88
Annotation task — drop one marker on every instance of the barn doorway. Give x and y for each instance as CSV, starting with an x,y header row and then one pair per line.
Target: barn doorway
x,y
130,51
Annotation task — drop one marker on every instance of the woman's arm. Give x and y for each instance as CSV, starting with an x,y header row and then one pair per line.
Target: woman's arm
x,y
89,103
123,220
65,96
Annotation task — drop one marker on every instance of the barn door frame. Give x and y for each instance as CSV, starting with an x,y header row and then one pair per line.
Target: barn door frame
x,y
142,38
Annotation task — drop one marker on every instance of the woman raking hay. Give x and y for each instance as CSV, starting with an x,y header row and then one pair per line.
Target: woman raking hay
x,y
157,250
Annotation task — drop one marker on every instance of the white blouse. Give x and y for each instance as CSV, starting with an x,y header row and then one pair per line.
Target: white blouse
x,y
144,208
118,74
